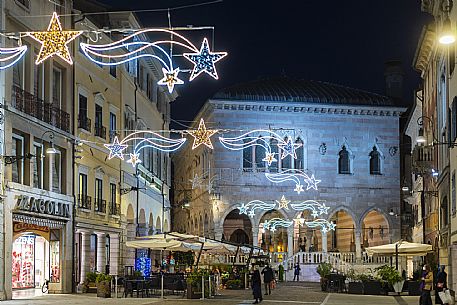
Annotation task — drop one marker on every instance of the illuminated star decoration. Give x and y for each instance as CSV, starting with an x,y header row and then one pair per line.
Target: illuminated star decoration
x,y
298,188
116,149
289,148
204,61
243,209
269,158
312,183
134,159
170,79
202,135
54,41
283,203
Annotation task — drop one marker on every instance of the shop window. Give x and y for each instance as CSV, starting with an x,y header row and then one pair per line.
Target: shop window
x,y
375,162
17,168
57,172
344,161
93,253
23,262
300,152
54,256
38,166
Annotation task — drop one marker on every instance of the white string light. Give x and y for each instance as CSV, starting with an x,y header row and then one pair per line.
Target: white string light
x,y
13,55
294,175
251,206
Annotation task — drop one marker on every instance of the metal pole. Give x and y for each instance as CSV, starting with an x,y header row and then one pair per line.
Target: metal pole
x,y
203,288
115,286
161,286
396,256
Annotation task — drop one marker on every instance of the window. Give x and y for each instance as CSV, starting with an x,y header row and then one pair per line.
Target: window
x,y
259,154
113,192
112,126
286,163
38,79
159,164
57,172
247,156
107,251
453,207
93,253
98,126
38,165
83,185
112,68
274,150
83,121
375,162
444,212
300,152
57,87
24,3
344,161
17,149
54,253
98,190
18,74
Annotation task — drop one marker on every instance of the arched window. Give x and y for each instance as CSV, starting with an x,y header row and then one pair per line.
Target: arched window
x,y
344,161
259,154
274,150
298,163
247,156
286,163
375,162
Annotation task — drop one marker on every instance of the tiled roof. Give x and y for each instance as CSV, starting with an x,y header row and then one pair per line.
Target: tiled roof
x,y
286,89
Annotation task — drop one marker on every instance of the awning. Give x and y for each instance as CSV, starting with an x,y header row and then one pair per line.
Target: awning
x,y
401,248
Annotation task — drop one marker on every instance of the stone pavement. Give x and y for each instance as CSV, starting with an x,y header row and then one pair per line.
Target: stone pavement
x,y
286,293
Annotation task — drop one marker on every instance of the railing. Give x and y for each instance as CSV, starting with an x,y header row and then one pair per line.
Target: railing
x,y
100,131
84,202
114,208
32,105
84,123
100,205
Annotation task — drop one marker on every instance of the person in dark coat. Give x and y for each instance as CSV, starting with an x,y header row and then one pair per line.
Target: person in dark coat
x,y
267,278
297,272
257,287
441,284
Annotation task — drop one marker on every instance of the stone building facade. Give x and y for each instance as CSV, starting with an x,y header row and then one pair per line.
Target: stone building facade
x,y
340,129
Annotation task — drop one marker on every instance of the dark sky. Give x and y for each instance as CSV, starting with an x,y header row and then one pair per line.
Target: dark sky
x,y
344,42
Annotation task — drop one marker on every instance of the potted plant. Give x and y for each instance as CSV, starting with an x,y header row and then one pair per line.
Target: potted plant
x,y
89,285
233,284
194,284
324,270
391,277
355,285
103,282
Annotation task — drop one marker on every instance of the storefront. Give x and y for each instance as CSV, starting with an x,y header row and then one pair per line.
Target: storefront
x,y
39,245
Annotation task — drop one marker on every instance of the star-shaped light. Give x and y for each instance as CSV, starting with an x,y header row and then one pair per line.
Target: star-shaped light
x,y
289,148
323,209
116,149
204,61
196,182
251,213
312,183
331,226
314,213
134,159
283,203
170,79
324,230
269,158
298,188
243,209
54,41
202,135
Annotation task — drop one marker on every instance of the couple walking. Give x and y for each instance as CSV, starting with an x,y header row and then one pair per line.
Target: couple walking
x,y
268,278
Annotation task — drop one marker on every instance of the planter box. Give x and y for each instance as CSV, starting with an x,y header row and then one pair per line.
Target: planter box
x,y
104,289
355,288
192,294
413,287
372,288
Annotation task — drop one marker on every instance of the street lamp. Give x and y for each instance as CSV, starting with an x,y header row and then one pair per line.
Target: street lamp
x,y
447,35
422,139
50,150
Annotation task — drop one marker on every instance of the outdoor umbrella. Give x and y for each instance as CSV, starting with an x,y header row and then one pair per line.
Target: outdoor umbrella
x,y
159,244
401,248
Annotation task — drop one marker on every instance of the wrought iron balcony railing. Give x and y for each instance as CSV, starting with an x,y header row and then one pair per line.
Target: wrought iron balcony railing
x,y
84,202
114,208
100,205
84,122
100,131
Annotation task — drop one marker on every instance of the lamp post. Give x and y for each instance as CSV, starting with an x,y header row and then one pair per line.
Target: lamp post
x,y
447,35
421,139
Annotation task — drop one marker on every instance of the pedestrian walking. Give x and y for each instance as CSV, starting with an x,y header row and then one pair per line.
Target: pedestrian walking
x,y
427,283
268,277
441,284
297,272
257,286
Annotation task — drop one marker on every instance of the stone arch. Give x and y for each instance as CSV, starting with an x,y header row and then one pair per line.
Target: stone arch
x,y
343,237
336,209
165,226
235,221
375,229
158,223
142,218
230,210
377,209
239,236
151,220
276,241
262,214
130,214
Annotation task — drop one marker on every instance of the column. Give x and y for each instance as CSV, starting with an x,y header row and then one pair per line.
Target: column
x,y
290,241
101,252
358,245
114,254
324,241
85,253
255,236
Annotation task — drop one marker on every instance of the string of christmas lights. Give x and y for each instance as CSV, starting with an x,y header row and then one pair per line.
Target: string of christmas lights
x,y
294,175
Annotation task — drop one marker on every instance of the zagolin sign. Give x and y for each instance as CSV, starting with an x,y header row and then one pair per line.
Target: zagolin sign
x,y
43,206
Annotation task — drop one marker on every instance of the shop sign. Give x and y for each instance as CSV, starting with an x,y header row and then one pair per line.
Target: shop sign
x,y
21,227
43,206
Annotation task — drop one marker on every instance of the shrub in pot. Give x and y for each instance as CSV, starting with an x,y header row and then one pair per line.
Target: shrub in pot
x,y
324,270
194,284
233,284
103,282
391,277
89,283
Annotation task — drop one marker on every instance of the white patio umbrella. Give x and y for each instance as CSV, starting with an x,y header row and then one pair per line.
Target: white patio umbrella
x,y
158,244
400,248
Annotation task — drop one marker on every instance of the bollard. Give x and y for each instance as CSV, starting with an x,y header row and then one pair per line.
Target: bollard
x,y
115,286
161,287
203,288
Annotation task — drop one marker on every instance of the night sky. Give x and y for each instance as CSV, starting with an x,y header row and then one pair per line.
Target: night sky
x,y
344,42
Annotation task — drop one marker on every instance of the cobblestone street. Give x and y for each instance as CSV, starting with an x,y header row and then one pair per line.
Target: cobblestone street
x,y
285,293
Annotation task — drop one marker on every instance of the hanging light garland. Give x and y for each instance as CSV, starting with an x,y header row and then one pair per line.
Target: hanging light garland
x,y
294,175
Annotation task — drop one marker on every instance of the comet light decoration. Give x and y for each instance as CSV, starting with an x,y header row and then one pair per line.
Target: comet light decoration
x,y
315,207
142,139
250,207
273,223
323,224
115,54
294,175
10,56
54,41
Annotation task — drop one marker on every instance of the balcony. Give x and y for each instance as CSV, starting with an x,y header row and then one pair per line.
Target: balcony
x,y
84,202
84,122
114,209
32,105
423,159
100,131
100,205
